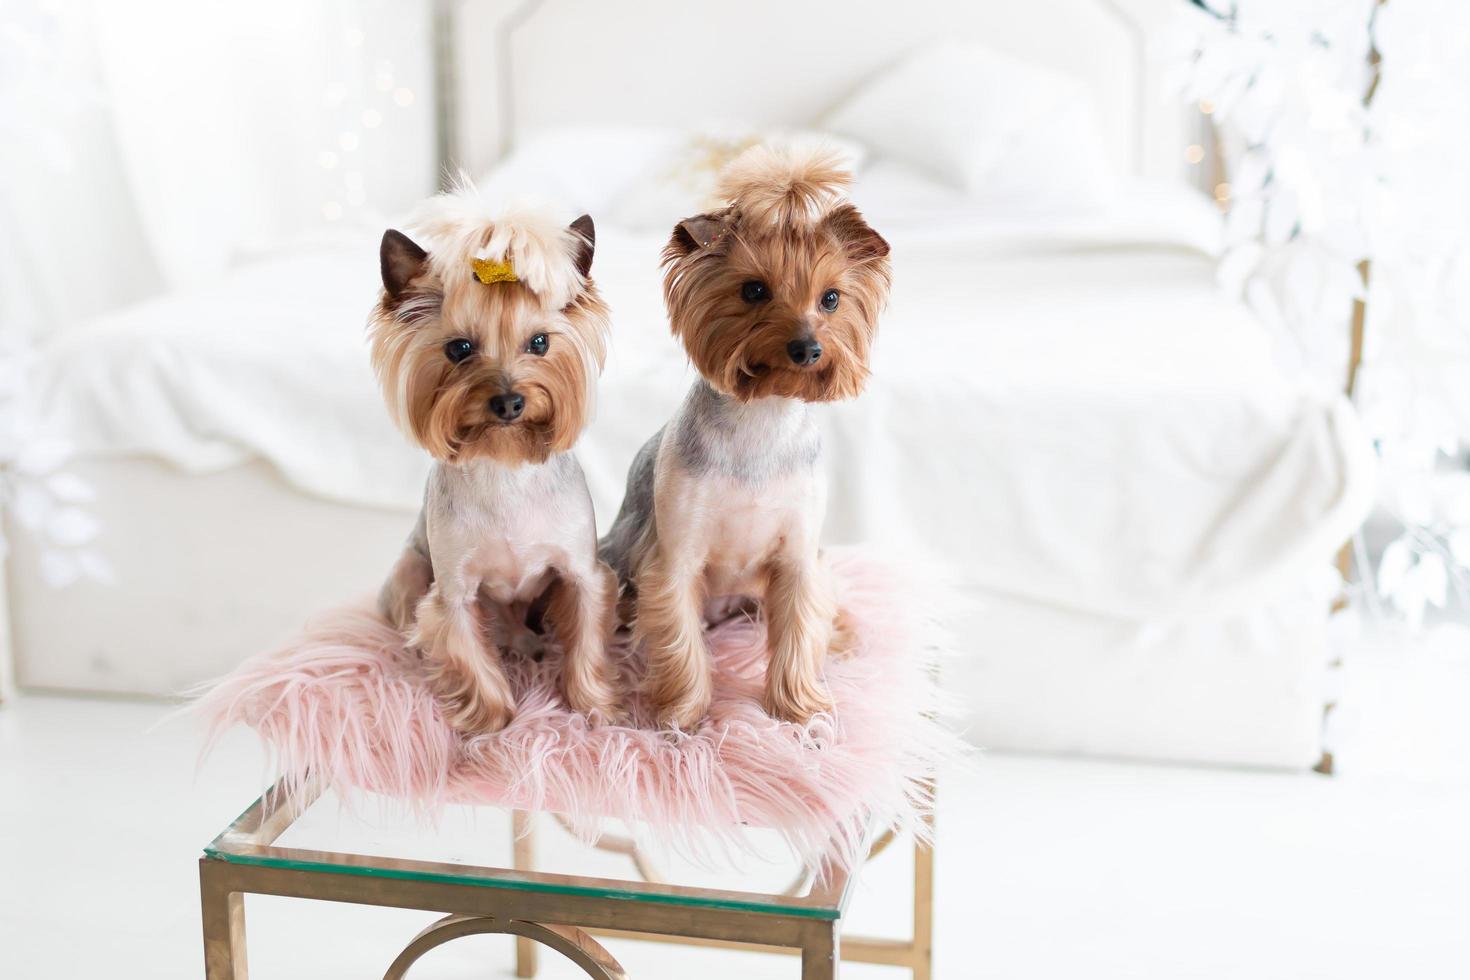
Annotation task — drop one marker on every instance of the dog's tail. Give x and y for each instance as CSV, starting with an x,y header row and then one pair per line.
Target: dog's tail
x,y
771,187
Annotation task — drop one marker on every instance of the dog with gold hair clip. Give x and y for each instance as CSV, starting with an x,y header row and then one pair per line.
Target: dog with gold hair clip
x,y
775,297
488,340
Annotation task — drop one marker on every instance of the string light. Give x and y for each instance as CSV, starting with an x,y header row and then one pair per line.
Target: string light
x,y
1222,192
1207,107
383,72
340,96
1194,153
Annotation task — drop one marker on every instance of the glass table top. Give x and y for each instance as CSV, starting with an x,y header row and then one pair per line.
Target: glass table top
x,y
375,837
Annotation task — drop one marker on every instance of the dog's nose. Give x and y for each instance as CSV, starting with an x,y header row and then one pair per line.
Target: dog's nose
x,y
507,406
804,351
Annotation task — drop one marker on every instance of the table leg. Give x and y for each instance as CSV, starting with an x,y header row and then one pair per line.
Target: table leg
x,y
923,912
524,859
820,954
223,914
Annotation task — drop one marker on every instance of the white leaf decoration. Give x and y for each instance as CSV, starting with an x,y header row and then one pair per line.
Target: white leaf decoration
x,y
1459,543
95,567
70,488
31,506
1395,564
1323,177
1433,578
1237,266
59,568
71,526
34,493
1280,219
41,456
1250,176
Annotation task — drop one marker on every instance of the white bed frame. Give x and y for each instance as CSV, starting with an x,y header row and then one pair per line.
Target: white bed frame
x,y
502,64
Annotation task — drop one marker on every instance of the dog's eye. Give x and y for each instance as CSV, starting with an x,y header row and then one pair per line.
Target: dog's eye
x,y
537,345
458,349
829,300
755,291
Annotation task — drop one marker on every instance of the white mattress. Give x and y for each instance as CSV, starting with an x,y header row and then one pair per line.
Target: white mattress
x,y
1063,407
1246,688
209,569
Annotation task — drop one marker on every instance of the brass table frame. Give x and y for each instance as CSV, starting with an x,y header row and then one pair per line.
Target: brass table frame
x,y
563,912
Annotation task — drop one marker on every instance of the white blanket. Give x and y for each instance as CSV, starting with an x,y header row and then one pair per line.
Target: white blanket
x,y
1063,407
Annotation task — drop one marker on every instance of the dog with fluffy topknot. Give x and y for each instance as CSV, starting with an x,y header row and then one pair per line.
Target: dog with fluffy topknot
x,y
775,297
488,339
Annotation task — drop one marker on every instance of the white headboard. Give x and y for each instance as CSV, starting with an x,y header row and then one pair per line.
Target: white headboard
x,y
517,66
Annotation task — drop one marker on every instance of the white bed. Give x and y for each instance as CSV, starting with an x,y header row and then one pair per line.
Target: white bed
x,y
1137,506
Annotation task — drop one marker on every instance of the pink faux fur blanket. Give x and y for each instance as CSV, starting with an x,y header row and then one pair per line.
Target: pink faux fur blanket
x,y
343,700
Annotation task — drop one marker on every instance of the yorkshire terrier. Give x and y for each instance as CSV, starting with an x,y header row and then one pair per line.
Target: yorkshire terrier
x,y
776,299
488,341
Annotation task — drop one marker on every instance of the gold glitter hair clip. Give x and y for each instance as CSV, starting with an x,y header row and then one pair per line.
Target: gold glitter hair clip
x,y
492,270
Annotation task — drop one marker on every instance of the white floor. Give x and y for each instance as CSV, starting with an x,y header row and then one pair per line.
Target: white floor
x,y
1048,868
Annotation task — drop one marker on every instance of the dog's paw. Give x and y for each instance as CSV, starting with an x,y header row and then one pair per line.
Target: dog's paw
x,y
680,686
796,698
472,705
608,714
682,700
475,716
685,714
589,682
597,700
844,636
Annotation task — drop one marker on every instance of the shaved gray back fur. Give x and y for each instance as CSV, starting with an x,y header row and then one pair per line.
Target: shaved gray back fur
x,y
711,433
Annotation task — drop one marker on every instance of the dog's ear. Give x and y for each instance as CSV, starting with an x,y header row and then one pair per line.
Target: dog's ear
x,y
583,227
701,231
402,262
855,234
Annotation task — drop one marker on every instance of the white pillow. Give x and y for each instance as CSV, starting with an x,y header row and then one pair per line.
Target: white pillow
x,y
681,180
584,168
643,178
999,129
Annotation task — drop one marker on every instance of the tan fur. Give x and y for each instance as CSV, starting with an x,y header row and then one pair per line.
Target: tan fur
x,y
670,628
779,190
408,583
463,668
443,406
786,226
740,348
800,613
581,616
